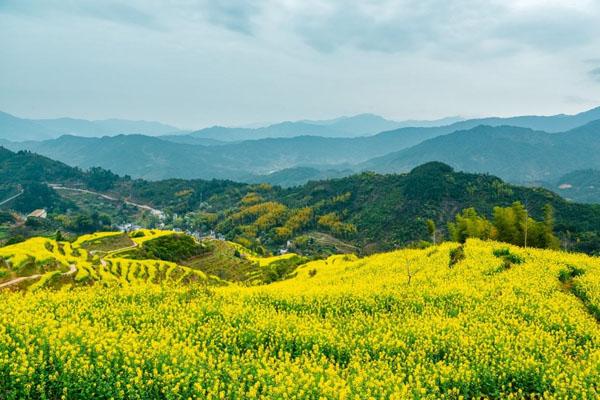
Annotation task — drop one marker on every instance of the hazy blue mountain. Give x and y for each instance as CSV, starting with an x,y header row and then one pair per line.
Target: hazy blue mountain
x,y
107,127
553,123
363,123
280,130
157,158
152,128
430,124
188,139
370,124
516,154
21,129
512,153
347,127
359,125
136,155
72,126
582,186
296,176
17,129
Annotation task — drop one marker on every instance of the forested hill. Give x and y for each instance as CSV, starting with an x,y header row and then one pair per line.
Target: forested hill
x,y
368,210
22,167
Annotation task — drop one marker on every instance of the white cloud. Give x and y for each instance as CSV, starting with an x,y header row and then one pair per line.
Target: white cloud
x,y
198,62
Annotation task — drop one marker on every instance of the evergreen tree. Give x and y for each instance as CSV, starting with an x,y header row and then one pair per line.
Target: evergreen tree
x,y
432,230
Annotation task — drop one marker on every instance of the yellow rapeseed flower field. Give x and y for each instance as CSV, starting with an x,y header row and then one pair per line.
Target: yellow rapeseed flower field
x,y
500,322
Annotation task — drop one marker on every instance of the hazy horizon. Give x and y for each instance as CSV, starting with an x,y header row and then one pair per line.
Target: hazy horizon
x,y
195,64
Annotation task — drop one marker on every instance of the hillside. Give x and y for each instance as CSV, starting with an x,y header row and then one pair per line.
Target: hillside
x,y
161,158
582,186
514,154
25,166
371,211
136,155
502,322
298,176
115,259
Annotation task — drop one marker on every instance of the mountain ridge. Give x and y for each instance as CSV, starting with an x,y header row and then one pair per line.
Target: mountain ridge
x,y
19,129
534,155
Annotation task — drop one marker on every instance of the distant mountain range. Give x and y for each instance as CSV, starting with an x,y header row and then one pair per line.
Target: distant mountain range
x,y
512,153
369,124
20,129
347,127
515,149
160,158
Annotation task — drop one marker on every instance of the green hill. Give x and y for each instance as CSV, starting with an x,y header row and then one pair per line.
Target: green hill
x,y
368,211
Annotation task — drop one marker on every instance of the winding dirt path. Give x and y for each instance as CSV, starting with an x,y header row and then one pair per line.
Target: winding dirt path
x,y
72,270
107,197
12,198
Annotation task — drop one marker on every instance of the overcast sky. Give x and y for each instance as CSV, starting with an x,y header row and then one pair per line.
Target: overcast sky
x,y
194,63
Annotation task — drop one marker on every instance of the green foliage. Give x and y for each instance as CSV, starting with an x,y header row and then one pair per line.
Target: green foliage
x,y
87,223
457,254
101,179
470,225
38,195
510,224
15,239
508,259
282,269
431,229
368,211
6,217
506,254
571,271
175,248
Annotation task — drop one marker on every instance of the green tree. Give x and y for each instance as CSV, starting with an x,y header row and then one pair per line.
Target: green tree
x,y
432,230
550,239
469,224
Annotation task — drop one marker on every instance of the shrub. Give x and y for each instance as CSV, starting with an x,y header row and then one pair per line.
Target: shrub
x,y
456,255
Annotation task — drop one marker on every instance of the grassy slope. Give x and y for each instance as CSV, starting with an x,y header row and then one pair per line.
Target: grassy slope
x,y
404,324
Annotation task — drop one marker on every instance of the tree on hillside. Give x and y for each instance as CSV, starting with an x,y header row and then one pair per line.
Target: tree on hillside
x,y
552,241
469,224
432,230
509,224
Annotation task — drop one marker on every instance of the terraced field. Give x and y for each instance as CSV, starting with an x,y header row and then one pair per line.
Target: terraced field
x,y
95,258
